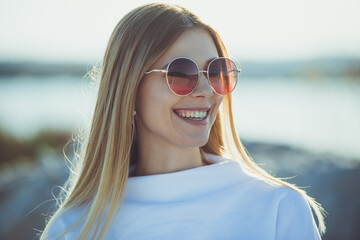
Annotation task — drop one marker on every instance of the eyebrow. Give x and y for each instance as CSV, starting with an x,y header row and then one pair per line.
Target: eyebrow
x,y
206,63
165,66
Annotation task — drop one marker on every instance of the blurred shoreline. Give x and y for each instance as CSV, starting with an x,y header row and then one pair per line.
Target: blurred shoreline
x,y
309,68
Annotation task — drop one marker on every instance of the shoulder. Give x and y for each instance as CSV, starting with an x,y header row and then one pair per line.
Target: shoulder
x,y
291,204
294,218
55,228
60,223
261,187
291,200
286,209
289,210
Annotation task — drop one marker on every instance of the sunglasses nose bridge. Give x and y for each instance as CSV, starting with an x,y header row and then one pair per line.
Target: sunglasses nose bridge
x,y
203,86
204,72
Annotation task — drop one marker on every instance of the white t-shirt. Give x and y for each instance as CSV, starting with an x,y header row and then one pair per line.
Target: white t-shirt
x,y
218,201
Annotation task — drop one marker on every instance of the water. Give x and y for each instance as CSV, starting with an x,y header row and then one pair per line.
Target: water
x,y
30,104
321,115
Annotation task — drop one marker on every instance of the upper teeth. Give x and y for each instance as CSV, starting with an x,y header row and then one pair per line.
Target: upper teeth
x,y
193,114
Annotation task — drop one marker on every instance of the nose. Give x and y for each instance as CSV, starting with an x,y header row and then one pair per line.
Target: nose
x,y
203,88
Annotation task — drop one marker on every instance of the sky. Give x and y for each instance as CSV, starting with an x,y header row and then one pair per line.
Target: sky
x,y
78,30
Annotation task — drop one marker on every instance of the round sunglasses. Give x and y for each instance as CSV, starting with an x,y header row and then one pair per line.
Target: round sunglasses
x,y
182,75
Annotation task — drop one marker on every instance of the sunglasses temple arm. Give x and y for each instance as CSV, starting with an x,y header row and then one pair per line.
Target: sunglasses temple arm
x,y
156,70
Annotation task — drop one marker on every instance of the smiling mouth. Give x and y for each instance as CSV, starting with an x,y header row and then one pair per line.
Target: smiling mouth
x,y
192,115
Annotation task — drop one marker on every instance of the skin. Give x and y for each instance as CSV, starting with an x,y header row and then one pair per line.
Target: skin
x,y
166,142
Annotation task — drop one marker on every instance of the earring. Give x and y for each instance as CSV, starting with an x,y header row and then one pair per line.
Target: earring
x,y
134,113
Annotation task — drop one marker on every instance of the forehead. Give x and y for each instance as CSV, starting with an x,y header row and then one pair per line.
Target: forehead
x,y
196,44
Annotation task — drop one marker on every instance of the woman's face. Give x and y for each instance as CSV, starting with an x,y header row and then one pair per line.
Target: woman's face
x,y
160,112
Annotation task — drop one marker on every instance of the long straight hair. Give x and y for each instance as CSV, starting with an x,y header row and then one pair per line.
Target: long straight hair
x,y
101,167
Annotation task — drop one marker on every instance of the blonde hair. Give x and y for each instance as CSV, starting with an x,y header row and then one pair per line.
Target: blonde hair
x,y
101,169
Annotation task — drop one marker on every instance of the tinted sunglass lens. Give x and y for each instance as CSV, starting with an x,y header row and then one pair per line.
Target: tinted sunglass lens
x,y
223,75
182,76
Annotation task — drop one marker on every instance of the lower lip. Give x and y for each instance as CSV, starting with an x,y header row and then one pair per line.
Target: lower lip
x,y
196,122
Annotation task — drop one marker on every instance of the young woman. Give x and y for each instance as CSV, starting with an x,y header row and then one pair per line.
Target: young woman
x,y
162,159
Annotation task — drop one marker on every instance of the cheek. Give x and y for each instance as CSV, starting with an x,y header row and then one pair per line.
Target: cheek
x,y
148,93
154,101
218,102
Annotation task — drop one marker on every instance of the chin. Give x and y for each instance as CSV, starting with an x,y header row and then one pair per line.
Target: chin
x,y
198,142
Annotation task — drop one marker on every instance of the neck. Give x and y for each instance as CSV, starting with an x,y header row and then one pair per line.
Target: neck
x,y
158,159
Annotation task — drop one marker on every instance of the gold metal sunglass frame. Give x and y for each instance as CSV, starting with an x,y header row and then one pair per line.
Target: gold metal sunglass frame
x,y
238,70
